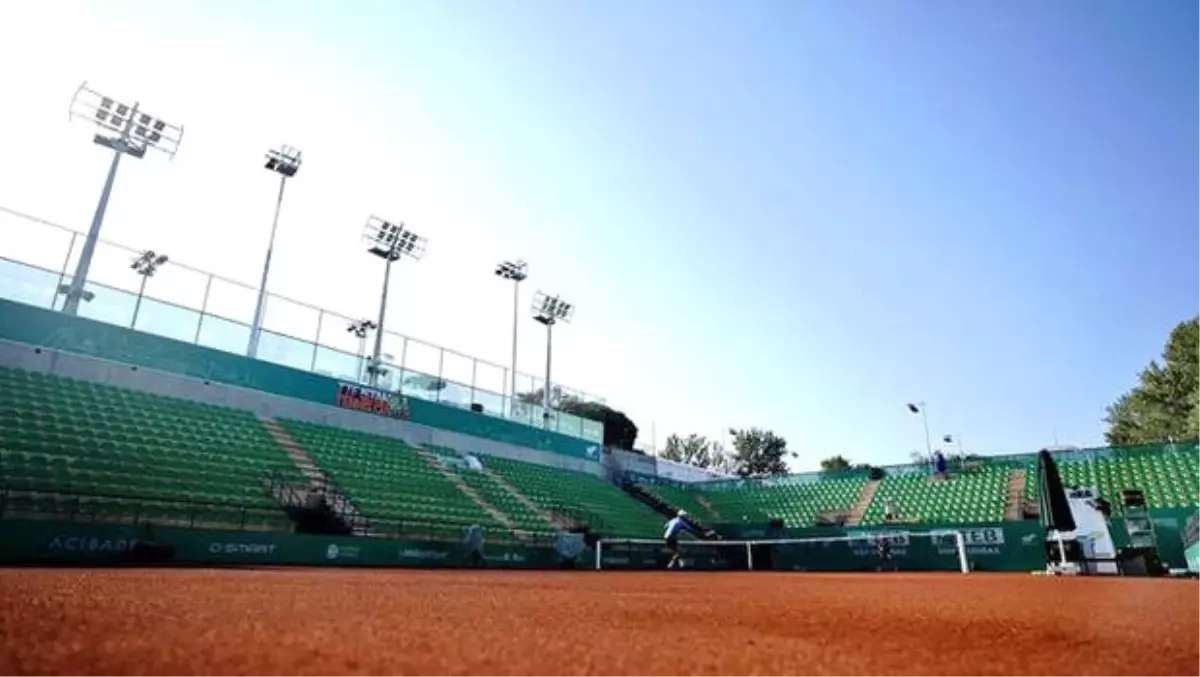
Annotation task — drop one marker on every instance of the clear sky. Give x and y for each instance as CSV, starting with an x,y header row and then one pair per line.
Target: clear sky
x,y
795,215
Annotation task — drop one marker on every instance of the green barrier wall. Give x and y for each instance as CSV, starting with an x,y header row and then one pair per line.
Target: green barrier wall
x,y
1168,529
53,542
45,328
999,546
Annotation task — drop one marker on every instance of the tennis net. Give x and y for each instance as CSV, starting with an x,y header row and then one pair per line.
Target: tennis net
x,y
880,551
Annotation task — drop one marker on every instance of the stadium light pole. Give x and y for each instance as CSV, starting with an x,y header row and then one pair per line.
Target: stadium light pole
x,y
955,440
919,408
516,271
550,310
285,162
390,242
125,130
361,328
145,265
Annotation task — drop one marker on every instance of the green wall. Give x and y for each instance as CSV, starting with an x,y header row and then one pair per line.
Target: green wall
x,y
53,542
49,329
999,546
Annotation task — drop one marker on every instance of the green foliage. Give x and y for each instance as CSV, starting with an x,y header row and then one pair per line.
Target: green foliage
x,y
694,450
1165,402
838,462
759,453
619,430
699,451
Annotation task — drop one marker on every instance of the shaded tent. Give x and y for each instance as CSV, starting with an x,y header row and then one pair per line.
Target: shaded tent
x,y
1054,510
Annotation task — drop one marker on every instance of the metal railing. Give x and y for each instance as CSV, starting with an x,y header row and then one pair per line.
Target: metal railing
x,y
26,501
191,305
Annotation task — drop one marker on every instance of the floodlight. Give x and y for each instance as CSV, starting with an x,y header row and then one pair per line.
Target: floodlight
x,y
145,265
512,270
126,130
390,241
285,162
551,309
360,327
919,408
516,271
130,130
148,263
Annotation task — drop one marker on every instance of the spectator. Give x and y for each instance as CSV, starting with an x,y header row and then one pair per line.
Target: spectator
x,y
939,465
474,545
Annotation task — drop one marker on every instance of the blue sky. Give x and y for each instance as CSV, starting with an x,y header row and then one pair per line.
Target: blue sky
x,y
794,215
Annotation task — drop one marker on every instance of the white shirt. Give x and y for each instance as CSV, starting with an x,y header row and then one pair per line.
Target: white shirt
x,y
675,526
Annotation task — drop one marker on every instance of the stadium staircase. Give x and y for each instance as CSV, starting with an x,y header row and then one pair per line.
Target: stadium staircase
x,y
665,508
457,480
1015,494
712,510
865,496
579,497
393,486
318,504
521,498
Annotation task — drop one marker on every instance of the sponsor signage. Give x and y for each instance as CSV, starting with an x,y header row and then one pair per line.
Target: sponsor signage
x,y
91,544
218,548
371,400
342,553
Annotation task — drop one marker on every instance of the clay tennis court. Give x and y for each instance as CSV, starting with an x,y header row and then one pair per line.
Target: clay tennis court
x,y
320,621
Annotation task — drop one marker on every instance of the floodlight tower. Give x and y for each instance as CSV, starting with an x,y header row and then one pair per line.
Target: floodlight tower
x,y
361,328
126,130
550,310
919,408
285,162
390,242
516,271
145,265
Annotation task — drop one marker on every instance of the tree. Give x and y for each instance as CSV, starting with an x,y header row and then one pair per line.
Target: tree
x,y
759,453
694,450
838,462
721,460
1165,402
619,430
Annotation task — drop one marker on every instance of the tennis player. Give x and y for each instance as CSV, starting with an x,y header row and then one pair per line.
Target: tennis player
x,y
671,535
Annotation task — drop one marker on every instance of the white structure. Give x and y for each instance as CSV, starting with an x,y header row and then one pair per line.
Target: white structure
x,y
285,162
126,130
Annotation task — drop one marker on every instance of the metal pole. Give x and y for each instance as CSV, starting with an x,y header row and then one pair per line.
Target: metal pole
x,y
512,388
203,308
317,340
63,272
137,306
387,276
75,291
549,345
260,307
362,358
925,420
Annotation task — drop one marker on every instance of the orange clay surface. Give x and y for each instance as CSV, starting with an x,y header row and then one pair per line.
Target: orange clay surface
x,y
314,621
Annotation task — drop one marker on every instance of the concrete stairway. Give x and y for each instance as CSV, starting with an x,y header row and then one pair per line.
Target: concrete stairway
x,y
319,481
1014,493
865,496
470,492
521,498
703,500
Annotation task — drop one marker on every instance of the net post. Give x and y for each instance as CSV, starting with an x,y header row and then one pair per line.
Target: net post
x,y
599,544
749,557
960,544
